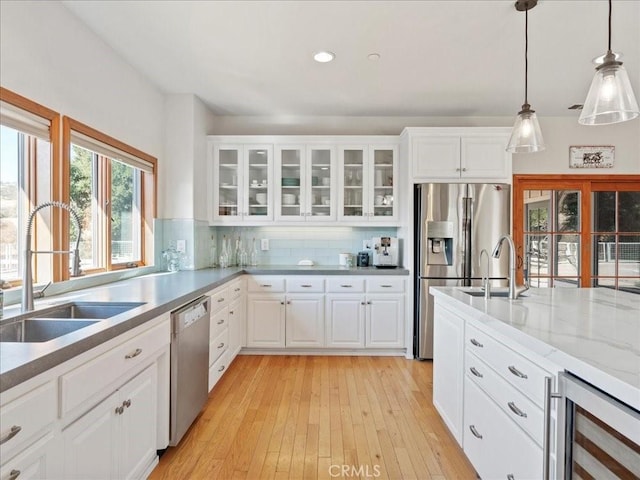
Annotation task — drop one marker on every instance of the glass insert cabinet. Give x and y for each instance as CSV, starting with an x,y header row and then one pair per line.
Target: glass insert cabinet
x,y
303,182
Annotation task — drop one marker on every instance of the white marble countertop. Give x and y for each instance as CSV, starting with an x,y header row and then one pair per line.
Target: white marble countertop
x,y
594,333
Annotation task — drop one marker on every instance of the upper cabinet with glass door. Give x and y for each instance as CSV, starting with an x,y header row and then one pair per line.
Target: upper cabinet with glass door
x,y
304,188
242,179
367,183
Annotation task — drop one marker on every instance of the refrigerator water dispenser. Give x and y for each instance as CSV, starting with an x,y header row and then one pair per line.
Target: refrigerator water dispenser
x,y
439,243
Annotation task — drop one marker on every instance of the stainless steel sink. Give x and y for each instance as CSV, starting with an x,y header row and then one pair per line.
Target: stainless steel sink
x,y
99,310
40,330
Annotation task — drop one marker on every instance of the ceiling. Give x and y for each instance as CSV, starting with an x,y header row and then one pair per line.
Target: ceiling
x,y
437,58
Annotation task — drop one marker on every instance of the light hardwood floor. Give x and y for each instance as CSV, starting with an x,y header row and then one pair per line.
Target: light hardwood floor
x,y
305,417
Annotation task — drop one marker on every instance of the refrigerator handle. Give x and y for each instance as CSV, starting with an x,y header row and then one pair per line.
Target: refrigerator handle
x,y
466,240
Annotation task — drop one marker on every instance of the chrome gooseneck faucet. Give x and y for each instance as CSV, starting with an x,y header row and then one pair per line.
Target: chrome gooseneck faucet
x,y
486,285
27,275
514,290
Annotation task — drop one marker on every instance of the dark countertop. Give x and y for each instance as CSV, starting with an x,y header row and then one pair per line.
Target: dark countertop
x,y
162,292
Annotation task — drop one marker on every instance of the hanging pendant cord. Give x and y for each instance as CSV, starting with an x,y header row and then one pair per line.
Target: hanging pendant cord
x,y
526,50
609,26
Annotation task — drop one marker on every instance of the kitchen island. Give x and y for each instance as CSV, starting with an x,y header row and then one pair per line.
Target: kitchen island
x,y
497,360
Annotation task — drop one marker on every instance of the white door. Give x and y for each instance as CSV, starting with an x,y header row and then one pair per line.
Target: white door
x,y
385,321
290,199
34,463
382,182
352,181
138,423
227,183
237,322
257,183
91,443
484,157
436,157
345,321
265,321
305,320
320,181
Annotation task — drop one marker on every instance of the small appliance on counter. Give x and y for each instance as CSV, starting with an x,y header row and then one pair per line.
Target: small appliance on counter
x,y
363,259
385,252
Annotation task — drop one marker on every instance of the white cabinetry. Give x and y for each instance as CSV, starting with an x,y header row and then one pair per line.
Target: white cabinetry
x,y
265,320
368,183
117,438
345,319
305,183
304,317
241,181
448,368
459,153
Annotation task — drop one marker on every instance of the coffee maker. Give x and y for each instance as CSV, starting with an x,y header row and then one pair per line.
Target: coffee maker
x,y
385,252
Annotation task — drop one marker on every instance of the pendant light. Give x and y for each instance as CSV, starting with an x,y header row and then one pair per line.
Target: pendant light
x,y
526,136
610,98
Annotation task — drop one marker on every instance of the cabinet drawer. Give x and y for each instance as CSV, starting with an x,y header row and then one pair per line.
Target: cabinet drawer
x,y
218,346
219,321
305,285
218,368
496,447
26,416
32,463
83,382
517,370
265,284
345,284
385,285
237,288
515,404
219,298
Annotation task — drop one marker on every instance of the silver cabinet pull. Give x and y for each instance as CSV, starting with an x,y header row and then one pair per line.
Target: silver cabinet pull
x,y
282,302
306,286
369,302
221,345
509,476
474,431
230,312
514,408
346,286
126,403
464,169
266,285
135,353
13,474
221,369
237,289
517,372
546,439
221,321
13,431
362,303
476,343
220,300
288,302
457,169
386,286
476,372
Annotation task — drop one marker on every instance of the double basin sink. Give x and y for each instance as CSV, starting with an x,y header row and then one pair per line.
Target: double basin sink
x,y
53,322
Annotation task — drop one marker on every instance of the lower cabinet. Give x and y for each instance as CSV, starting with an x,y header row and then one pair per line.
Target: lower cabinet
x,y
237,325
117,438
35,462
345,318
448,368
266,321
385,321
304,318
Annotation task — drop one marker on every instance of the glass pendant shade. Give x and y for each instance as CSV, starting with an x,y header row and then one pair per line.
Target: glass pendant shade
x,y
610,98
526,136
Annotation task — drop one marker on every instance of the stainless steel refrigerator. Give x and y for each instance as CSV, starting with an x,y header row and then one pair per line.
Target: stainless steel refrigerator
x,y
453,223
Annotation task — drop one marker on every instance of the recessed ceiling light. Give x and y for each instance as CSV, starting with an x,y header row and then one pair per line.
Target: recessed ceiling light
x,y
324,57
373,56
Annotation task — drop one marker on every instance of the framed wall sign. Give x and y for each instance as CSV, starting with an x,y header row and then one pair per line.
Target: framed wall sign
x,y
591,156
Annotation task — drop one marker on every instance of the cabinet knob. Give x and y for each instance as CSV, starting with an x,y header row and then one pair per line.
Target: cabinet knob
x,y
464,169
133,354
282,302
13,431
458,169
221,321
517,372
369,302
220,300
13,474
221,345
362,303
126,403
288,302
346,286
230,312
221,369
511,477
474,431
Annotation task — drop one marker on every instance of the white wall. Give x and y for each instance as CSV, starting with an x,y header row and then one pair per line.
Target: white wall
x,y
203,124
559,133
48,56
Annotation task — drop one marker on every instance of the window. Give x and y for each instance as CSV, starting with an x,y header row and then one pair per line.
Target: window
x,y
111,188
579,230
28,139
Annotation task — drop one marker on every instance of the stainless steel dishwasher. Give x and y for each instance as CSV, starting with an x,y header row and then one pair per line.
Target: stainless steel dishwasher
x,y
189,365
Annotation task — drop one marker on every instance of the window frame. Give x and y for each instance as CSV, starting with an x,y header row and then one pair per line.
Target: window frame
x,y
31,180
148,192
586,184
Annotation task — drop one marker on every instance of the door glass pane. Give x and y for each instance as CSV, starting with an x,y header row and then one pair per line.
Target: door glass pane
x,y
538,250
320,182
629,211
567,211
604,255
383,183
604,211
537,209
290,184
567,257
228,183
83,196
353,173
628,258
257,182
604,282
125,213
